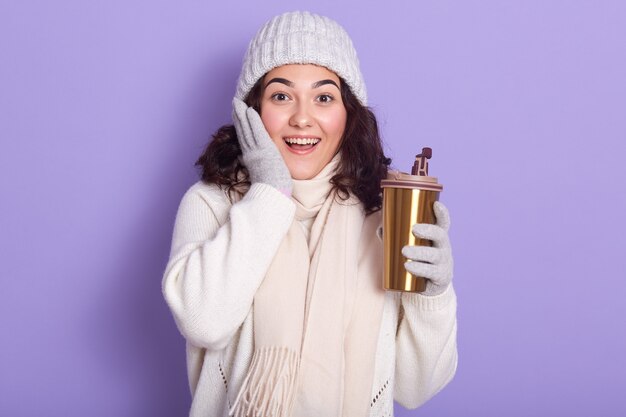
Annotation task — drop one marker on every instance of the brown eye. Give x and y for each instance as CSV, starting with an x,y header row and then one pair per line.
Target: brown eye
x,y
279,96
325,98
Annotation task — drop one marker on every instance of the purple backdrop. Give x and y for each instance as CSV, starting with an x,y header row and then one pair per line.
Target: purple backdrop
x,y
105,107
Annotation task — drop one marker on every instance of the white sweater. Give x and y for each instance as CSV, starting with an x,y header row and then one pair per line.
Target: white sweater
x,y
219,256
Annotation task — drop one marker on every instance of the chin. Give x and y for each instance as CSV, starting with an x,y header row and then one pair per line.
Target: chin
x,y
303,174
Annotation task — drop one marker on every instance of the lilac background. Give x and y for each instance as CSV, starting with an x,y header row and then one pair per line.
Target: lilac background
x,y
104,107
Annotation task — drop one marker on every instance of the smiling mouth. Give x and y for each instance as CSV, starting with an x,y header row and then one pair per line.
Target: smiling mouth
x,y
302,144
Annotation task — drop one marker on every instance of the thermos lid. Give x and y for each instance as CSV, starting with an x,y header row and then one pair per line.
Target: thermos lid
x,y
419,175
399,179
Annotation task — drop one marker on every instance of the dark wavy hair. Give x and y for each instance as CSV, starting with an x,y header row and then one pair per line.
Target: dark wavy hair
x,y
362,166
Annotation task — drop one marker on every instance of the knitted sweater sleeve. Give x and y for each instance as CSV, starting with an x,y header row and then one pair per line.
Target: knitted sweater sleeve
x,y
219,256
426,351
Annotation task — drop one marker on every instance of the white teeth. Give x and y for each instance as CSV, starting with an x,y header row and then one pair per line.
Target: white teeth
x,y
302,141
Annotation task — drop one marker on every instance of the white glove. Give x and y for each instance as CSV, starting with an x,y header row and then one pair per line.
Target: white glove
x,y
260,155
432,262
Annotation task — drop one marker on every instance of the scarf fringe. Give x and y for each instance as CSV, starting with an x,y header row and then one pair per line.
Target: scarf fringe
x,y
269,387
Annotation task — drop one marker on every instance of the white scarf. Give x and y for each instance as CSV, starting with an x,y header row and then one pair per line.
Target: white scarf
x,y
317,312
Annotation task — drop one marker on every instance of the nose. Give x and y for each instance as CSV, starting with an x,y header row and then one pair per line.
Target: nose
x,y
301,116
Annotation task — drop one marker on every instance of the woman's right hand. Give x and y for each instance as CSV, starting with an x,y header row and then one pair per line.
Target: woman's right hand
x,y
259,153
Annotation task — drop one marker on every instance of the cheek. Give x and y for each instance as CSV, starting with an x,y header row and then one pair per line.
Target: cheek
x,y
273,122
335,124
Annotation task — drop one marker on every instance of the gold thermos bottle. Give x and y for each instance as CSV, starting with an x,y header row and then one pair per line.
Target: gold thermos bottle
x,y
407,199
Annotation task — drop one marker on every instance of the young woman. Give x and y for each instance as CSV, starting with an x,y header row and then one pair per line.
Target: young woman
x,y
275,271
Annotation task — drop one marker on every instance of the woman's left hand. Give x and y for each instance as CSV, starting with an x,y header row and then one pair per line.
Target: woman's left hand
x,y
432,262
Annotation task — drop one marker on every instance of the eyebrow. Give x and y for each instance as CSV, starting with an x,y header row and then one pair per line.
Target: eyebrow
x,y
288,83
324,82
280,80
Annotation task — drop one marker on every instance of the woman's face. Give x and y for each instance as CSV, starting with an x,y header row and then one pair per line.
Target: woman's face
x,y
302,110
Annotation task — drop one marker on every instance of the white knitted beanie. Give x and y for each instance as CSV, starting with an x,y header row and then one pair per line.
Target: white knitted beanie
x,y
301,38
